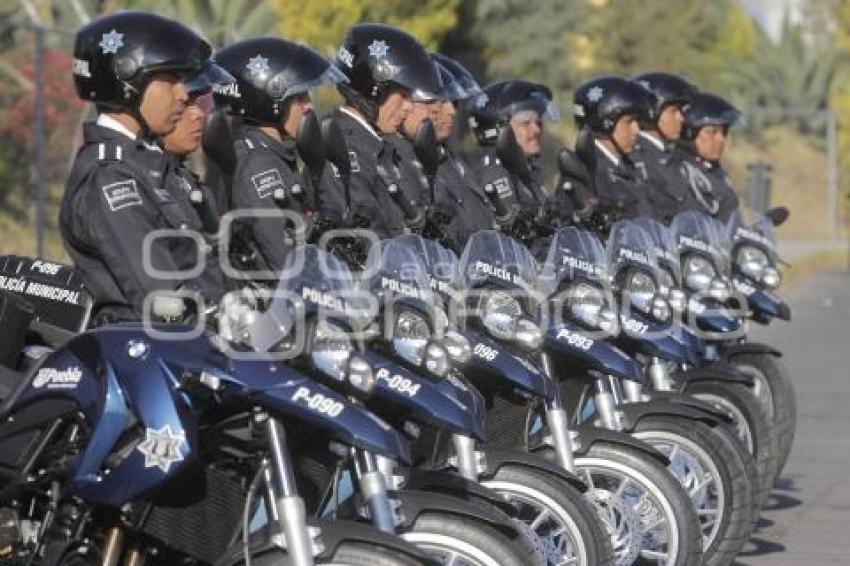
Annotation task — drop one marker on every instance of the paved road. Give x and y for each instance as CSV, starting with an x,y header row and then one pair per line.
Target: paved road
x,y
808,519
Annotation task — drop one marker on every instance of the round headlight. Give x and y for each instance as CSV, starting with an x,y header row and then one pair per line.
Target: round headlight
x,y
331,350
528,334
410,336
752,261
458,347
677,299
436,359
360,374
698,273
500,314
586,304
718,289
660,309
641,290
771,278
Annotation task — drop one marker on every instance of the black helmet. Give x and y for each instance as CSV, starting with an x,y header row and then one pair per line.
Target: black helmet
x,y
600,102
668,89
375,57
115,56
499,101
461,75
708,109
452,90
268,71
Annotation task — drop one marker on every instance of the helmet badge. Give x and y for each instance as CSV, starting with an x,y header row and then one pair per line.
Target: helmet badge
x,y
595,94
257,66
378,49
111,42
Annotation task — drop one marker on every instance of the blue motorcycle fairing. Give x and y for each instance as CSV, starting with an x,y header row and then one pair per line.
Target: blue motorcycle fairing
x,y
572,342
422,398
767,304
642,333
493,361
718,321
114,390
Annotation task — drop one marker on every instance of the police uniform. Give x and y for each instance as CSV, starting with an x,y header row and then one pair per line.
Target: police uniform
x,y
120,189
455,186
266,170
412,179
374,170
515,193
617,184
666,189
710,189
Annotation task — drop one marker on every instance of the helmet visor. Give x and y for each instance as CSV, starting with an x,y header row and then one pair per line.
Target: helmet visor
x,y
209,75
539,103
281,86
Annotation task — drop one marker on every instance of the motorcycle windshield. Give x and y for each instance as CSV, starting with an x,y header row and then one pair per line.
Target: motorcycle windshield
x,y
573,254
629,245
313,279
697,232
491,255
752,228
440,263
394,269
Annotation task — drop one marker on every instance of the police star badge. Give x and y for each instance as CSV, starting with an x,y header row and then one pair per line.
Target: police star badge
x,y
111,42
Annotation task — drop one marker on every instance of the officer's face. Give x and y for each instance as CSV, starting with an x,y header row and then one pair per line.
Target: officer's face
x,y
394,110
528,129
421,111
163,103
445,121
670,122
186,136
711,142
626,132
296,107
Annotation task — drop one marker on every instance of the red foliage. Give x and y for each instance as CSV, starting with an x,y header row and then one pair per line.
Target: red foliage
x,y
60,100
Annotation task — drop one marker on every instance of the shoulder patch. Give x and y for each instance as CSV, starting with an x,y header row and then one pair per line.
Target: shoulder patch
x,y
122,194
355,165
266,182
503,186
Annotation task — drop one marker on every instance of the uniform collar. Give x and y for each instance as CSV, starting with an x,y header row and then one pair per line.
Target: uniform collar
x,y
354,115
107,121
606,152
654,140
257,137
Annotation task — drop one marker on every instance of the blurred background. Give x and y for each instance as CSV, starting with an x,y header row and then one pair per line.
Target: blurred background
x,y
783,62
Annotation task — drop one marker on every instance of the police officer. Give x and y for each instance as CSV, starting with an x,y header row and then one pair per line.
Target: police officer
x,y
387,70
460,200
132,65
199,204
269,99
608,110
667,191
707,121
522,106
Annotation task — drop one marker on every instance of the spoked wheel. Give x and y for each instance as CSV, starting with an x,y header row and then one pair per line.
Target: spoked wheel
x,y
557,513
717,475
648,513
748,424
457,541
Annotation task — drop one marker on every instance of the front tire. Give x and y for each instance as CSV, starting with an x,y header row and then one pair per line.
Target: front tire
x,y
715,477
446,537
557,512
774,390
648,514
347,554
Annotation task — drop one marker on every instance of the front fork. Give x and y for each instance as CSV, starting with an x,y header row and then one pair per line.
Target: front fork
x,y
285,506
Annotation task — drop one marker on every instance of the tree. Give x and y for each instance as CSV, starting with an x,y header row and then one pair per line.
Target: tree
x,y
322,23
